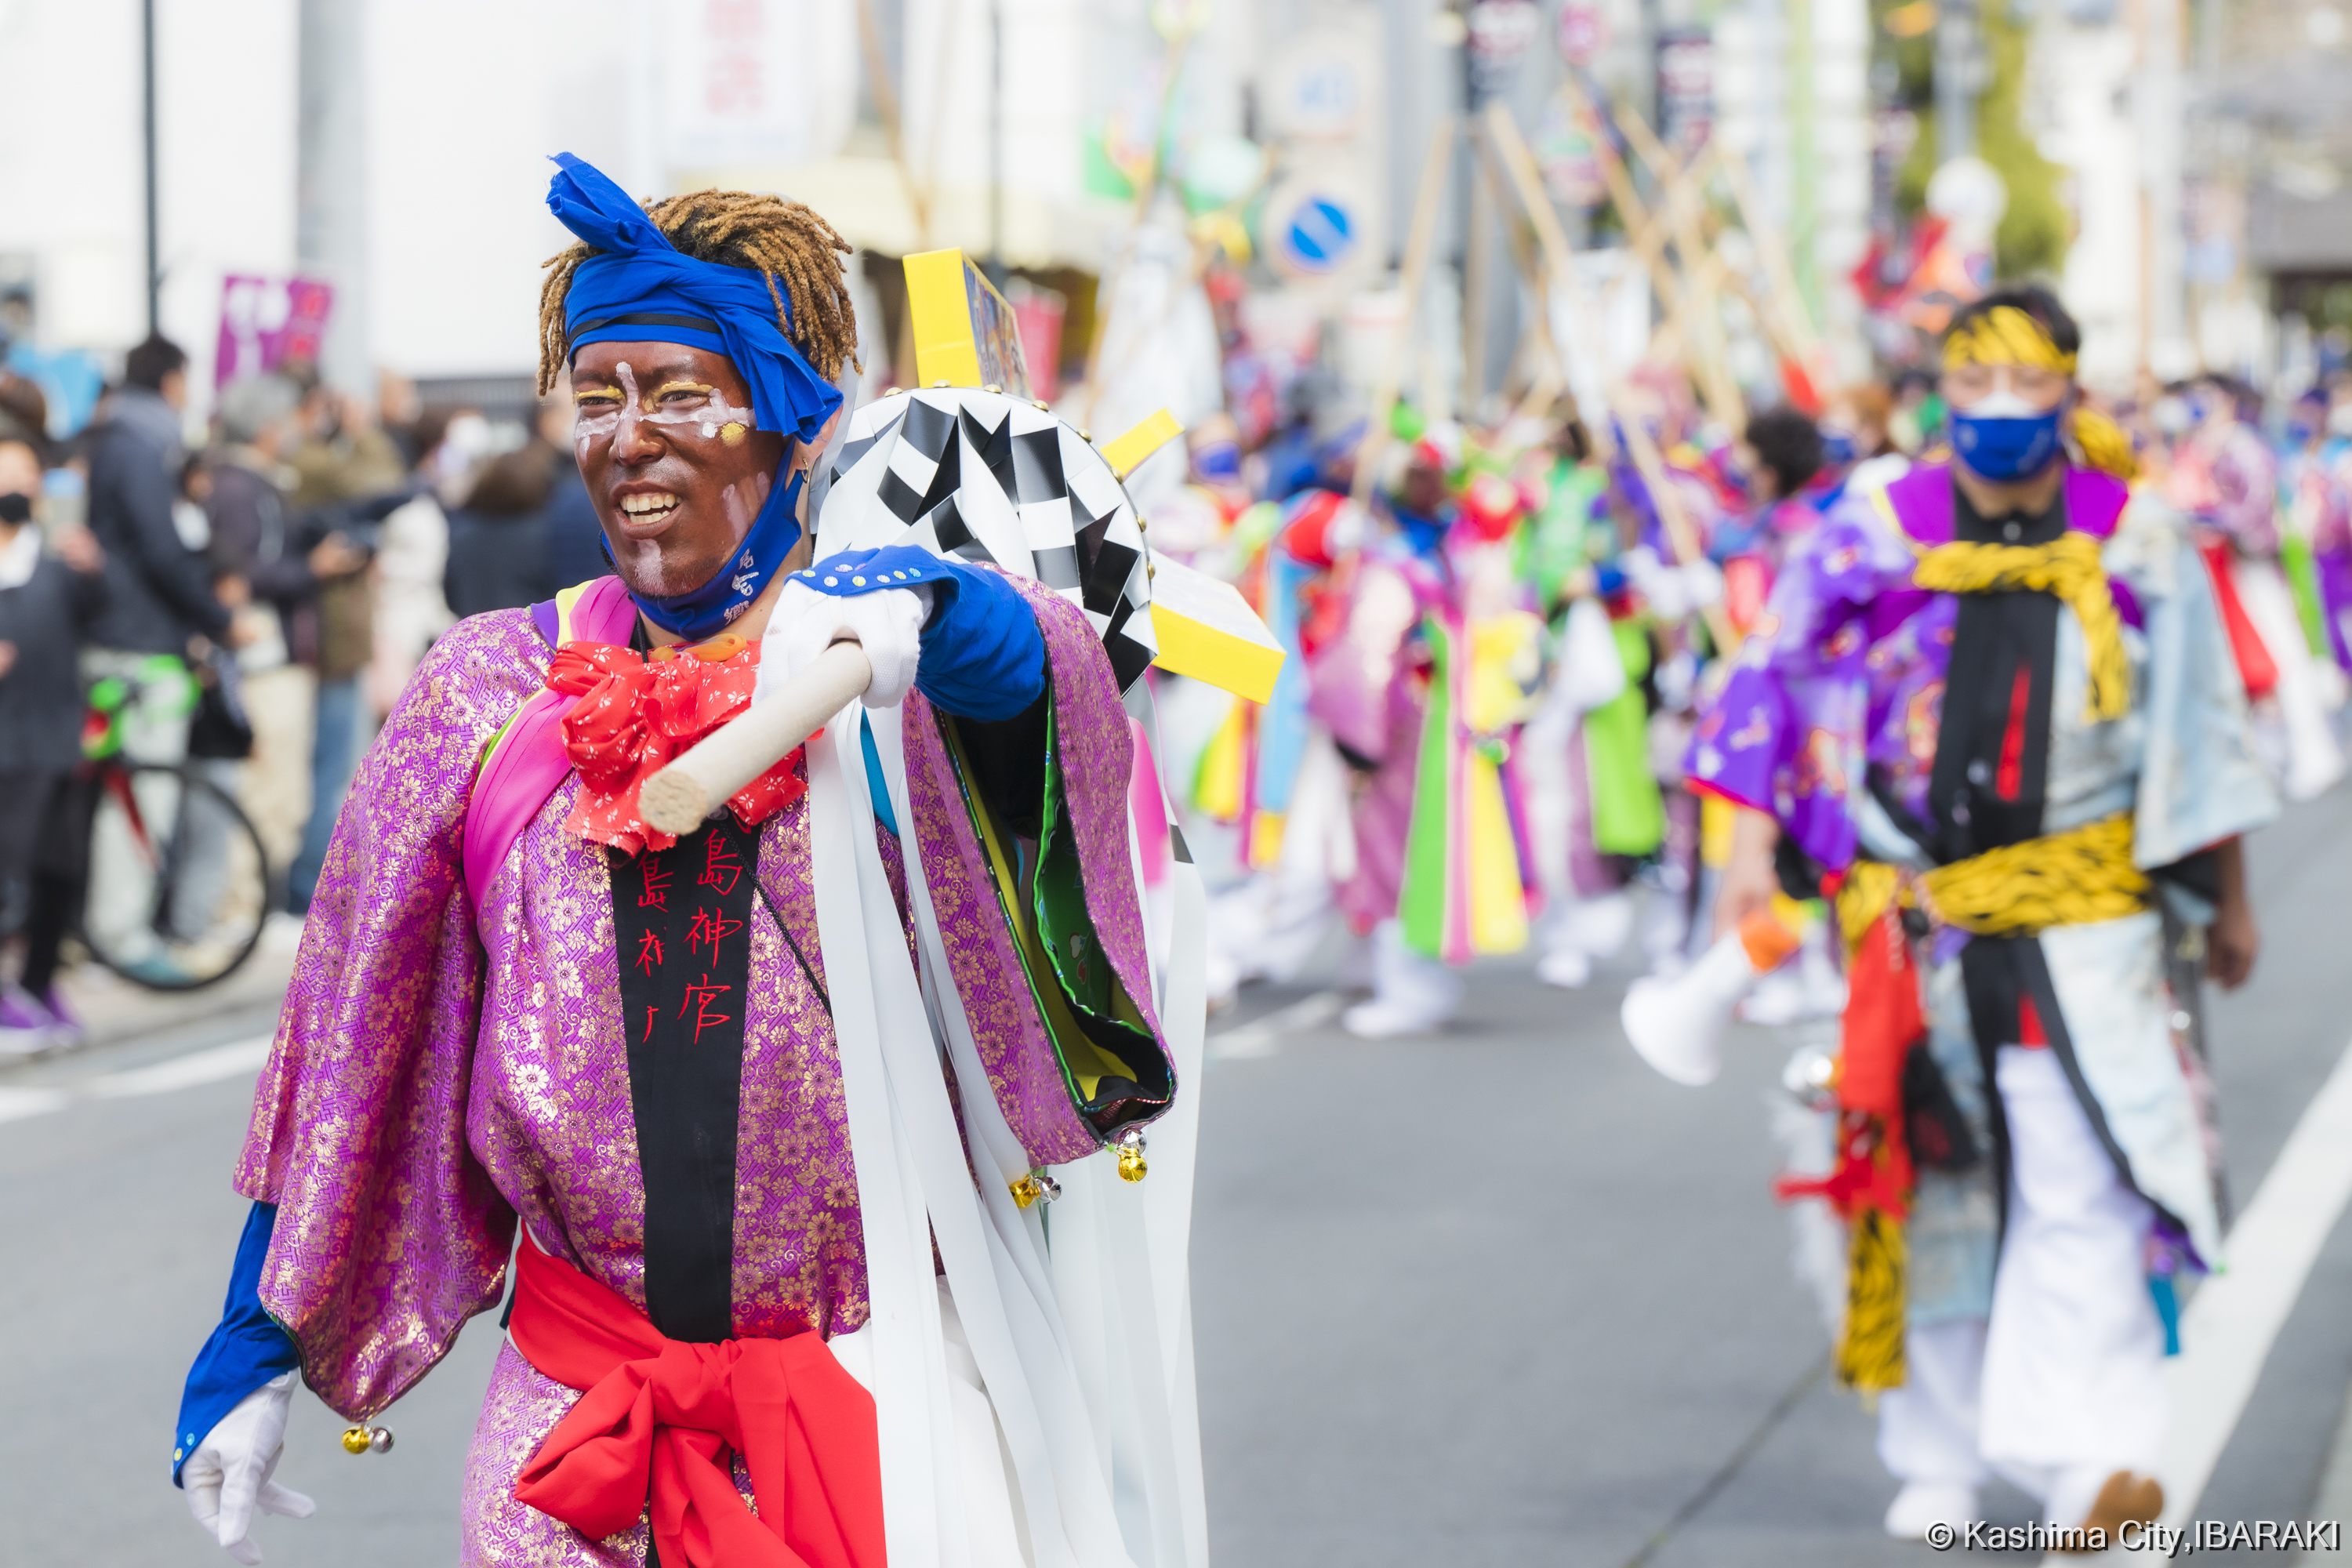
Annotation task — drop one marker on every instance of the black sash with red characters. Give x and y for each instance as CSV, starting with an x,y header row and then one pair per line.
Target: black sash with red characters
x,y
682,920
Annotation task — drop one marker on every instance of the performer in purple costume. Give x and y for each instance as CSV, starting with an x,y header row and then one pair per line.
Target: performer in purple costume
x,y
2011,651
627,1042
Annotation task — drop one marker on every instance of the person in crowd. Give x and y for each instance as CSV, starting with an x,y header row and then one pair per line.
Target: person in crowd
x,y
1781,452
24,411
48,602
260,558
341,457
161,610
575,541
499,548
1997,705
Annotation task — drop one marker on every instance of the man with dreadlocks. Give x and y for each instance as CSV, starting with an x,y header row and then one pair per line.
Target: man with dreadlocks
x,y
516,1000
1993,709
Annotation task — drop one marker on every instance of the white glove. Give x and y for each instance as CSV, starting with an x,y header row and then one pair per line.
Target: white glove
x,y
1673,592
228,1474
1702,584
887,623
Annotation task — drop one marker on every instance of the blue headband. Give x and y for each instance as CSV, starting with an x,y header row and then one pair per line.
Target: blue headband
x,y
639,287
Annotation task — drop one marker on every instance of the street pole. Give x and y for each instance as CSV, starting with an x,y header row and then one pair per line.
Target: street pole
x,y
1956,81
331,181
996,273
154,243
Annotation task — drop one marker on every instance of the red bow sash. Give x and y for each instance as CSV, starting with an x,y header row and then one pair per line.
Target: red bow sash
x,y
662,1419
635,715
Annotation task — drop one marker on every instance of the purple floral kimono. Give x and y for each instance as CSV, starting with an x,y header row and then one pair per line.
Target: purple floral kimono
x,y
442,1070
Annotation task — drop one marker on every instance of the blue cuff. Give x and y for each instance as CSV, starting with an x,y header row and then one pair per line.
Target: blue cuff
x,y
982,657
246,1350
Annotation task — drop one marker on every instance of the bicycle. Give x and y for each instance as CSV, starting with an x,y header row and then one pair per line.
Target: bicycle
x,y
180,885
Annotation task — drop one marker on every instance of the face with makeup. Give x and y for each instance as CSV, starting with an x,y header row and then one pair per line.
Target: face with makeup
x,y
2040,388
667,446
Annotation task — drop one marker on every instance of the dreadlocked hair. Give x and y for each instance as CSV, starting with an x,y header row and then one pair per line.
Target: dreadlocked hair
x,y
798,253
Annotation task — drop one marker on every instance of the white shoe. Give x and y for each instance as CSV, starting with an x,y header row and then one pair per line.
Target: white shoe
x,y
21,1044
1384,1018
1922,1504
1564,967
1598,926
1412,993
1779,998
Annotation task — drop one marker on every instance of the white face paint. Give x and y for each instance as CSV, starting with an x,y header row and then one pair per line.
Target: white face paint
x,y
682,407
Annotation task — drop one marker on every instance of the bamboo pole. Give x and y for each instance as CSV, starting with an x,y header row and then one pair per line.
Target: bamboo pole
x,y
1524,254
1771,247
1419,239
1647,232
691,787
1681,537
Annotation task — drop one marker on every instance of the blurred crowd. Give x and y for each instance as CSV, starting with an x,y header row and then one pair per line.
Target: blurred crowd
x,y
1529,617
250,606
244,601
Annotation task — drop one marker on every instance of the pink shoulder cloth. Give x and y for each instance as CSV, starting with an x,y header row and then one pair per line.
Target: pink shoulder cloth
x,y
526,762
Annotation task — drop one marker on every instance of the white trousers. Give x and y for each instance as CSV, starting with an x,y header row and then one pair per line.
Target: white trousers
x,y
2065,1384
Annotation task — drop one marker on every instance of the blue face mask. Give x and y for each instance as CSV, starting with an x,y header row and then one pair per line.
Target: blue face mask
x,y
2001,437
1837,449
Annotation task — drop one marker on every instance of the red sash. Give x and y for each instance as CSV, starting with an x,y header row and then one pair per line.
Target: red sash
x,y
662,1420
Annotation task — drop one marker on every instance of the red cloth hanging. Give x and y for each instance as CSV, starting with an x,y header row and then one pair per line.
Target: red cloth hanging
x,y
661,1420
2255,665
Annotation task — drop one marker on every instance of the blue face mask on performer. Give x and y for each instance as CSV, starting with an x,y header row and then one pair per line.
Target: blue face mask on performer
x,y
1837,449
639,287
2003,437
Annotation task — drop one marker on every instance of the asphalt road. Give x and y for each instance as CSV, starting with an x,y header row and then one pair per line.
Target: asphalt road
x,y
1496,1297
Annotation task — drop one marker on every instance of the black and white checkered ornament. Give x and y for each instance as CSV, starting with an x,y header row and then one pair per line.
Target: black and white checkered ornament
x,y
964,471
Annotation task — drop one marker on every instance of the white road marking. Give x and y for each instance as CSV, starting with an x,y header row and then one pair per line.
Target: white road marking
x,y
1264,1036
208,1065
2228,1327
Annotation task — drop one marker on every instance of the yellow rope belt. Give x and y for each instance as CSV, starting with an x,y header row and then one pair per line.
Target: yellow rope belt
x,y
2074,878
2069,567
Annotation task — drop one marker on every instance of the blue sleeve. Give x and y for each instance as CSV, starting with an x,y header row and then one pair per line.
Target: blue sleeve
x,y
982,657
244,1351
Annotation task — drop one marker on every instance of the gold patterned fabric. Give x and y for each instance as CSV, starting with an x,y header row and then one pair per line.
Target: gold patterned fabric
x,y
2068,566
2006,335
2075,878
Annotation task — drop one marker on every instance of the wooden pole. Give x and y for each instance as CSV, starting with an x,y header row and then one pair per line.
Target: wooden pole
x,y
1771,248
1419,238
1681,537
690,788
1678,200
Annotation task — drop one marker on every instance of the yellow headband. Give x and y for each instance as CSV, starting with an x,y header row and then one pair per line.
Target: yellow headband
x,y
2005,335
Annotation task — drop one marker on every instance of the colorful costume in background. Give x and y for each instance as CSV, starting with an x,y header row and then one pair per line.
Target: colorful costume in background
x,y
1272,771
1424,691
2011,732
2227,478
1593,805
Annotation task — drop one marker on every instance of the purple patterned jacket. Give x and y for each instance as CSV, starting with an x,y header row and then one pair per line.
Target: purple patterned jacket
x,y
440,1070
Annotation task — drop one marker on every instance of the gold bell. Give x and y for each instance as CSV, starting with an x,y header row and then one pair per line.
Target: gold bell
x,y
1131,1165
360,1440
1037,1187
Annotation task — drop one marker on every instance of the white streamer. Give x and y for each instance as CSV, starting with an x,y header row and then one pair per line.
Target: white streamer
x,y
1084,1346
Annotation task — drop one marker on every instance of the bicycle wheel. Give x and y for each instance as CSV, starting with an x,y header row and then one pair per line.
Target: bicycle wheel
x,y
179,883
